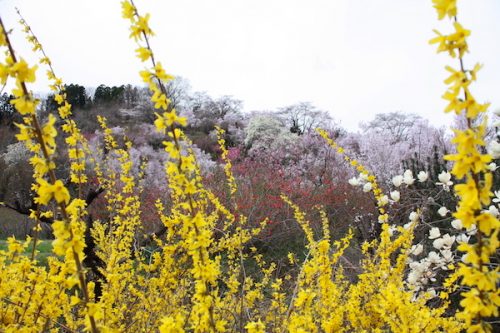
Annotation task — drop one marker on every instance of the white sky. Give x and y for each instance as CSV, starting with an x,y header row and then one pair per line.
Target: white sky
x,y
353,58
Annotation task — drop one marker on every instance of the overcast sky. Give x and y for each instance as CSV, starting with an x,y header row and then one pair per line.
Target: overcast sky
x,y
353,58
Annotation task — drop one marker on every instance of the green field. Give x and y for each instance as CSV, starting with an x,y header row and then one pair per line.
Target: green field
x,y
43,247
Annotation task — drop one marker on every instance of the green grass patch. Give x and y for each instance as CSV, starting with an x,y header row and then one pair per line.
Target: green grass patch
x,y
43,247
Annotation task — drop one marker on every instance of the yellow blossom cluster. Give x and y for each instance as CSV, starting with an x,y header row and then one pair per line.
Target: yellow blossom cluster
x,y
204,274
75,141
40,140
185,185
227,167
482,298
325,301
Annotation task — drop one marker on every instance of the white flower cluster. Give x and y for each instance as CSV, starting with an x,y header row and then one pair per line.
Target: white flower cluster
x,y
407,178
425,270
441,254
444,242
361,180
494,149
494,145
440,257
16,152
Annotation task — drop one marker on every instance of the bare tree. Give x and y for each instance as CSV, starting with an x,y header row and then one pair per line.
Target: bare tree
x,y
396,125
304,117
178,91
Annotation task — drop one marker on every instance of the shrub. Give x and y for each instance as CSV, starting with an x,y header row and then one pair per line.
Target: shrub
x,y
204,276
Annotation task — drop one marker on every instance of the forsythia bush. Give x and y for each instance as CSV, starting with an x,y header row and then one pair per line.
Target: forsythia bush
x,y
207,277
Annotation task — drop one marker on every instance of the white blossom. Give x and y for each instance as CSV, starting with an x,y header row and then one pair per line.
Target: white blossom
x,y
397,180
443,211
267,133
492,166
367,187
414,216
457,224
448,240
497,197
444,179
438,243
16,152
395,195
354,181
447,255
413,277
422,176
463,238
408,177
433,257
494,149
472,230
416,249
417,266
434,233
493,211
